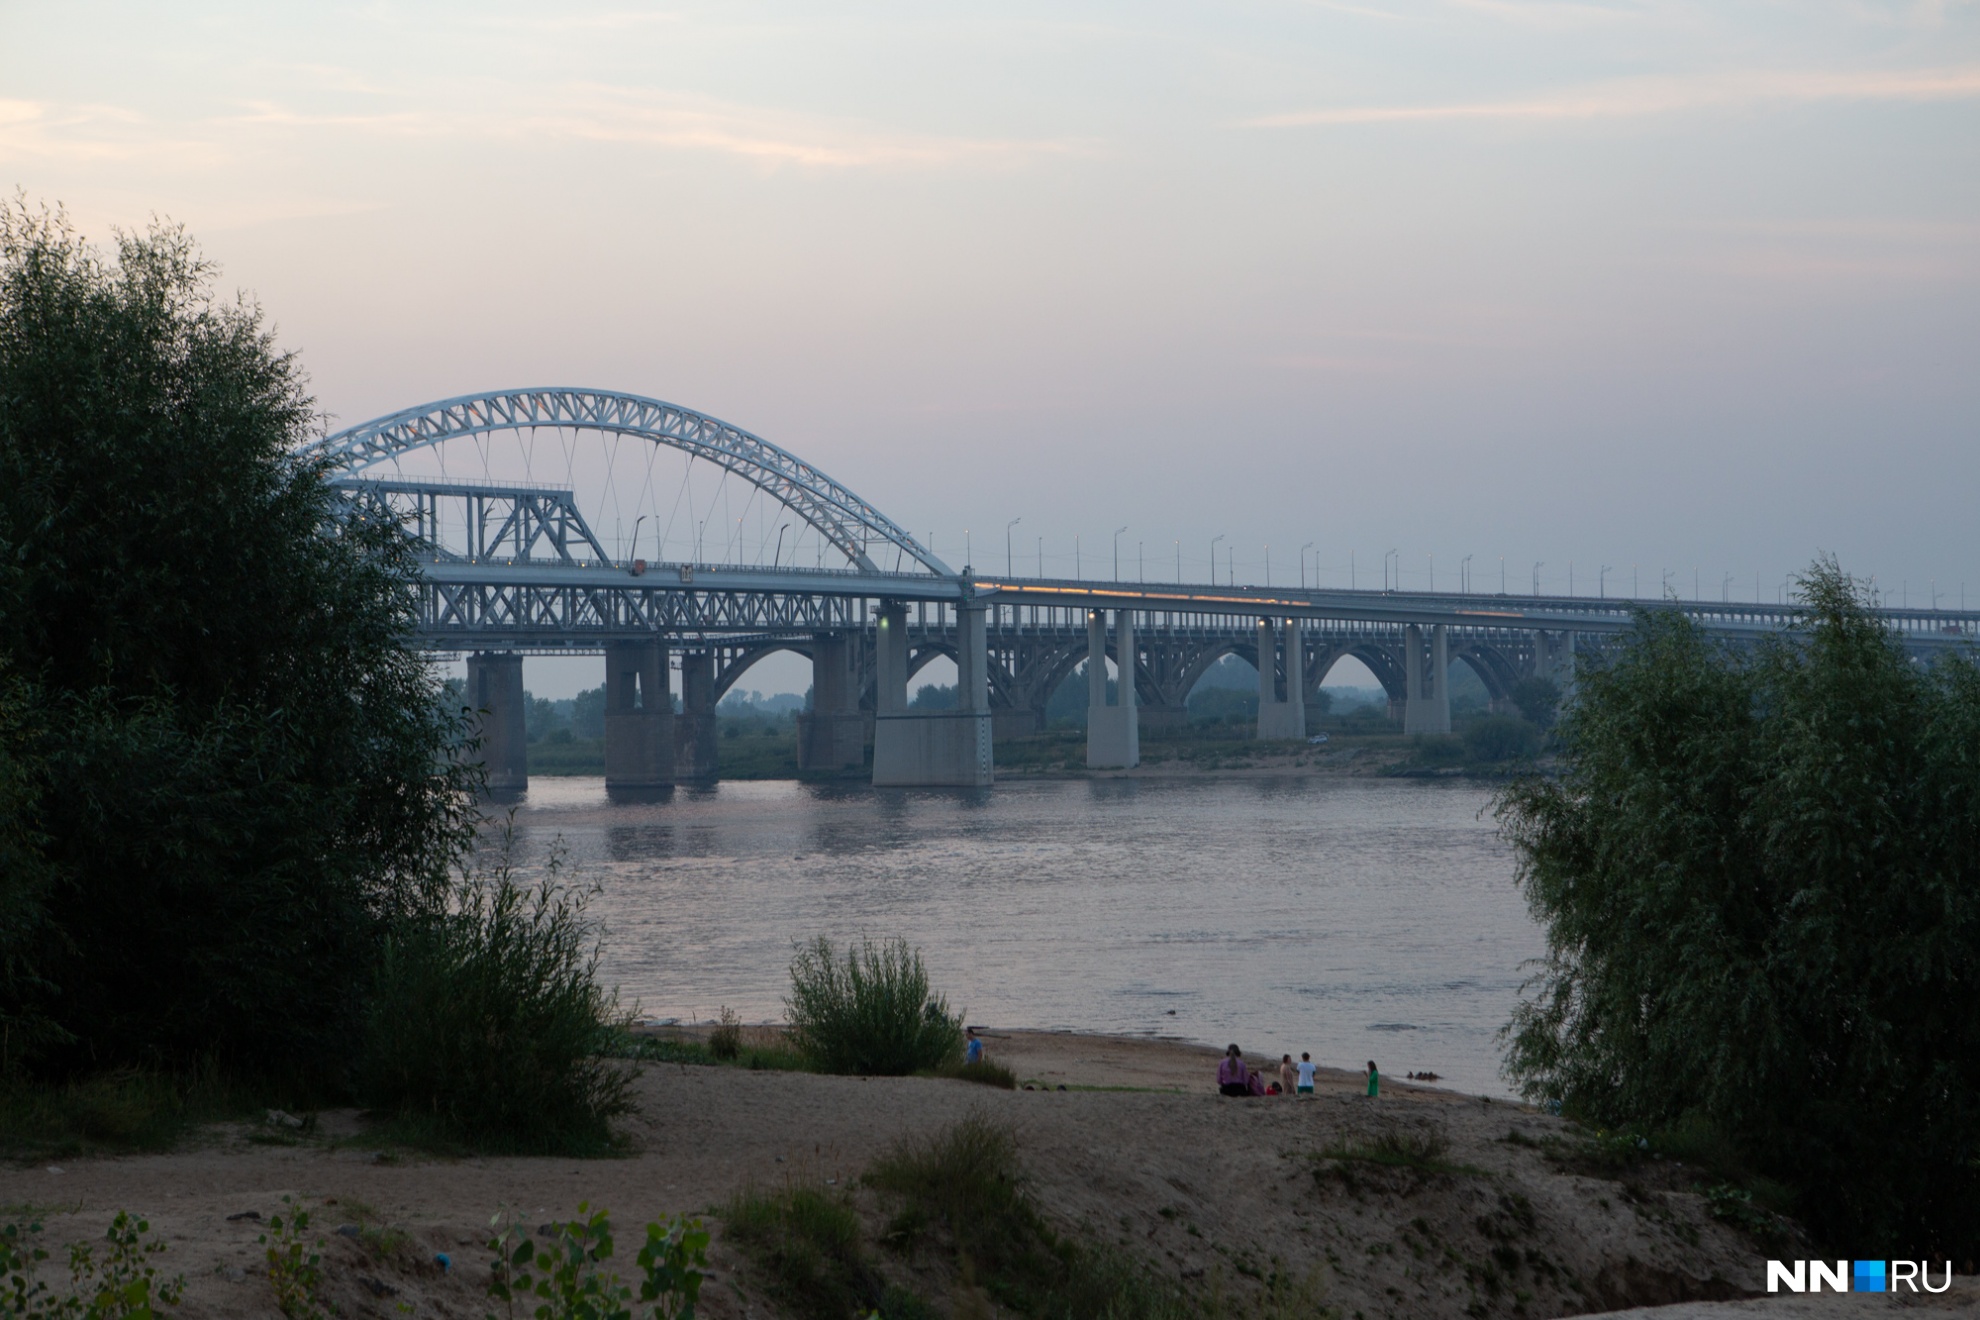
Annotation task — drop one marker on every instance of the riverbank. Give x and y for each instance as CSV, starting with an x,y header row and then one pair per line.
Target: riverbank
x,y
1422,1203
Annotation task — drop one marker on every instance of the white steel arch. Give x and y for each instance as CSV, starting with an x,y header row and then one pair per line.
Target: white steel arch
x,y
848,522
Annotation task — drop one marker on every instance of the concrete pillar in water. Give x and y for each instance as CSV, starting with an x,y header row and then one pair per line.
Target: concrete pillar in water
x,y
932,748
1113,733
1426,674
639,717
694,729
832,735
1281,682
495,691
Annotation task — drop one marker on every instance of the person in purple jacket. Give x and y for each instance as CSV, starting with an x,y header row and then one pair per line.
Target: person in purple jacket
x,y
1233,1078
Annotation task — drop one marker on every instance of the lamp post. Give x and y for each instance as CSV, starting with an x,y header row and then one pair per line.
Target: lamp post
x,y
1008,570
1213,557
1397,556
777,559
1464,576
1602,583
1117,552
1268,564
1433,572
1537,565
1302,567
635,537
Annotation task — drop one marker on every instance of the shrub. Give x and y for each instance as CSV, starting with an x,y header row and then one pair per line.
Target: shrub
x,y
567,1280
1762,905
1502,738
487,1024
124,1285
870,1014
725,1042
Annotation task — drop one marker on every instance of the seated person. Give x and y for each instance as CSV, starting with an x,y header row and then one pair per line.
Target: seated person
x,y
1233,1078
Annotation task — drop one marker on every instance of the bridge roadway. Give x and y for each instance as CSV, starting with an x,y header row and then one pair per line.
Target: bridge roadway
x,y
868,634
512,569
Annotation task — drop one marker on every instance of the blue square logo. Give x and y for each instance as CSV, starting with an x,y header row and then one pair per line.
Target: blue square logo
x,y
1868,1276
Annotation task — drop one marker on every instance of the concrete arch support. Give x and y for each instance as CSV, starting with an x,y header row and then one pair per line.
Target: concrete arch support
x,y
495,693
1113,733
931,748
1281,681
1427,663
639,717
832,735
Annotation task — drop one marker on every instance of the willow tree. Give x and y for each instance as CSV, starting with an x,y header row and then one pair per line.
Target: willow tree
x,y
1760,885
221,765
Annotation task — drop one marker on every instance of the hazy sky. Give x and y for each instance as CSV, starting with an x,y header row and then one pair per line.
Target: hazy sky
x,y
1681,286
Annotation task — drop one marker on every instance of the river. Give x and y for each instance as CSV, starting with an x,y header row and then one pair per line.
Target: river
x,y
1353,918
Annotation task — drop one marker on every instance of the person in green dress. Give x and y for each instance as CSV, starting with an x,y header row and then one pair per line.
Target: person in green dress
x,y
1374,1079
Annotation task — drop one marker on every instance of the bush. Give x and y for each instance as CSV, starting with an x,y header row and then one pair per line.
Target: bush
x,y
487,1025
870,1014
806,1238
725,1041
1501,738
223,772
567,1280
1762,904
124,1285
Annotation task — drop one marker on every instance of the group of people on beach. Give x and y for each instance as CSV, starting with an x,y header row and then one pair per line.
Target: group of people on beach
x,y
1235,1077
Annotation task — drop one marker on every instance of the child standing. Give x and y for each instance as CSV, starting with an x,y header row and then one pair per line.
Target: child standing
x,y
1285,1074
1305,1074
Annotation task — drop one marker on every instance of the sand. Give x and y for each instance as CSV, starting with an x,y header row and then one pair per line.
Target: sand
x,y
1201,1186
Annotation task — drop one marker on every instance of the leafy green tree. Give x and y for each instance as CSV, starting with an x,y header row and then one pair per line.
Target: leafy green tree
x,y
233,769
1761,891
1538,699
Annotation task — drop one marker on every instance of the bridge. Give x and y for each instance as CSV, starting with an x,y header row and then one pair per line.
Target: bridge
x,y
514,568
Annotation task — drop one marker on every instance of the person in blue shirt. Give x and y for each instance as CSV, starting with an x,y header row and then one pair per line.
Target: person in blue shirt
x,y
973,1047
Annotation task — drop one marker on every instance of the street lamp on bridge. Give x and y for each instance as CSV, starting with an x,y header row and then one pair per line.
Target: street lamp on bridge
x,y
1302,567
1008,570
1117,552
1397,556
1537,565
1464,576
635,537
1213,557
1602,583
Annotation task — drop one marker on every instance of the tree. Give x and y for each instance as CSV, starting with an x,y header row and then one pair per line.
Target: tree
x,y
235,768
1761,892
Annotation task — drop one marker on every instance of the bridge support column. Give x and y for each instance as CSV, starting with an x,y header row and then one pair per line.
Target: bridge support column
x,y
1553,659
694,729
1426,671
1113,733
639,718
932,748
1281,689
495,690
833,735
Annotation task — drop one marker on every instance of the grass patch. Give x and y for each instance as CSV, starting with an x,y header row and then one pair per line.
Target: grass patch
x,y
755,1055
871,1013
963,1190
124,1110
984,1073
806,1239
1402,1148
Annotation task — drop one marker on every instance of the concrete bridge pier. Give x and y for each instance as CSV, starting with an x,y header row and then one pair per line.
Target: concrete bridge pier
x,y
495,692
1113,733
694,728
1553,659
931,748
1281,681
1426,673
832,735
639,718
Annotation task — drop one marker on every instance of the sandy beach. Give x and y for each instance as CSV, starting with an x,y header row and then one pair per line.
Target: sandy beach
x,y
1137,1151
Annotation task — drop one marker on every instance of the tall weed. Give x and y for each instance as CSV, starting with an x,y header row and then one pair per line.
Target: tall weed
x,y
871,1013
487,1022
122,1285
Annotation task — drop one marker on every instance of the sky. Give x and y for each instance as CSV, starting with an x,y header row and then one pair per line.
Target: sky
x,y
1653,287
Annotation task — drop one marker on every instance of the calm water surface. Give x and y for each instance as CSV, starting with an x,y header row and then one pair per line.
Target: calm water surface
x,y
1356,919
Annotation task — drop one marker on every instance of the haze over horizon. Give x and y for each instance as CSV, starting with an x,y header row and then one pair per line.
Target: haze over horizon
x,y
1656,286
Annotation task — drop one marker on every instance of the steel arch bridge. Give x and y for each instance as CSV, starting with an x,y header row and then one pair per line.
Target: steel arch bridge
x,y
534,578
849,523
